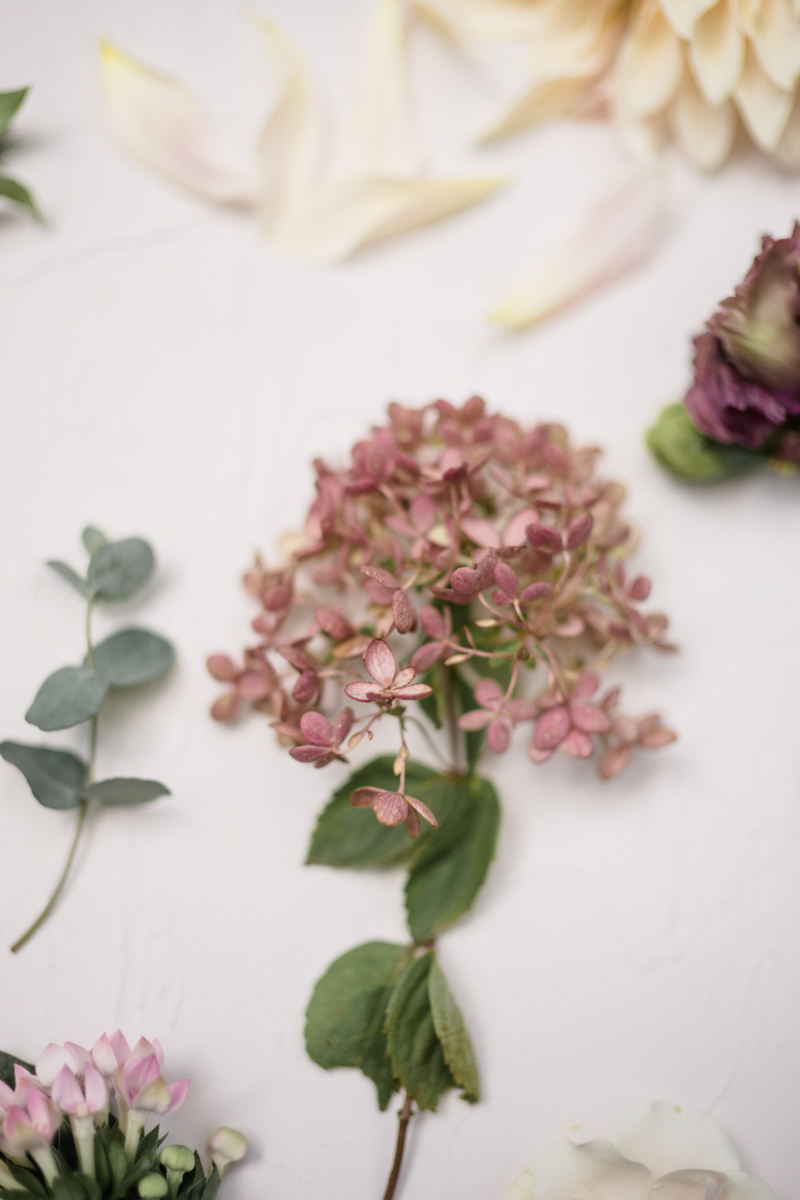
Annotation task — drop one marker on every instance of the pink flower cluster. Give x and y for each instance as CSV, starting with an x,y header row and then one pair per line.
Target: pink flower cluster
x,y
83,1085
480,550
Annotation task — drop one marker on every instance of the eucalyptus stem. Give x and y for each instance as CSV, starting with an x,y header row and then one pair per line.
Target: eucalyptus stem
x,y
403,1117
83,808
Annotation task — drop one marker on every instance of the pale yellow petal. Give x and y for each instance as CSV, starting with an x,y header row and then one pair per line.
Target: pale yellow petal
x,y
521,1188
651,64
764,107
704,131
787,152
380,137
621,231
776,38
358,212
290,144
159,122
717,51
447,22
682,14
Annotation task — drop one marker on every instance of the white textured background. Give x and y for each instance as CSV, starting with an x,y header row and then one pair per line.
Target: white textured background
x,y
164,372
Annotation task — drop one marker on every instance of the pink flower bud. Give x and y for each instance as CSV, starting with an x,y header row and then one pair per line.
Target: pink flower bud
x,y
305,688
506,579
579,530
535,591
221,668
640,588
227,707
405,618
334,623
226,1146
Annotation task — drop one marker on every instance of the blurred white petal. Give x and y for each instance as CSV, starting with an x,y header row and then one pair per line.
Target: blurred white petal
x,y
380,137
592,1171
666,1138
703,131
776,37
764,106
621,232
290,145
159,122
787,151
745,1187
443,20
682,14
650,63
522,1187
357,212
717,51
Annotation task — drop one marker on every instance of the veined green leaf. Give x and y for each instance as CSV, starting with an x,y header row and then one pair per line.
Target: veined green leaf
x,y
121,793
448,1021
17,192
414,1046
133,656
347,1013
9,103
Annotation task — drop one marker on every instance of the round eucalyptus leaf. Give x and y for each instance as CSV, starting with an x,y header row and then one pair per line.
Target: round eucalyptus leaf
x,y
93,539
67,697
124,792
54,776
133,656
118,570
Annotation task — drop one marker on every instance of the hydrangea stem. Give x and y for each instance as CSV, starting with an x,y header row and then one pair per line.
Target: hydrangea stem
x,y
83,809
451,720
403,1118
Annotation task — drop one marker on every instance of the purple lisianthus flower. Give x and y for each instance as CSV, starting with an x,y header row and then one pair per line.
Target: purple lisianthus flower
x,y
729,408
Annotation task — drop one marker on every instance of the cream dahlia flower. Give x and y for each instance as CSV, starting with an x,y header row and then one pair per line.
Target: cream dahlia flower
x,y
690,68
657,1152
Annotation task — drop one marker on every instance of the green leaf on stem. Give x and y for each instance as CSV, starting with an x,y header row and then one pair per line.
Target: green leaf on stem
x,y
69,1187
117,1163
28,1180
7,1064
72,577
450,868
414,1046
93,539
346,1015
121,793
211,1186
448,1021
118,570
68,697
9,103
54,776
15,191
684,451
133,656
352,837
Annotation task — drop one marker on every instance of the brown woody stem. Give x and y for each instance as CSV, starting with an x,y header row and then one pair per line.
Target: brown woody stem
x,y
403,1117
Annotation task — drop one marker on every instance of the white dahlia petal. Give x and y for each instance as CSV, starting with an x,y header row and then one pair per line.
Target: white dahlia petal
x,y
764,106
668,1138
704,131
717,51
651,64
682,14
787,152
594,1171
776,39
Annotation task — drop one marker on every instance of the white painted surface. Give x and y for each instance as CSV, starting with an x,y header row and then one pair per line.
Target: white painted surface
x,y
165,372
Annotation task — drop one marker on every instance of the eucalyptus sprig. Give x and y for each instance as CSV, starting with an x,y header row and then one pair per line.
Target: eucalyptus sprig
x,y
12,189
74,695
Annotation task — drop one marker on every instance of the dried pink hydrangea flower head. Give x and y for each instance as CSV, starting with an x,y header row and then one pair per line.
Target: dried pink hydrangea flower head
x,y
460,561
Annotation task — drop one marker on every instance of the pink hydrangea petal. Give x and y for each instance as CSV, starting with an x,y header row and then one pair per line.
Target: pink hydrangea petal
x,y
227,707
384,578
404,677
364,797
521,710
380,662
514,532
177,1092
412,822
578,744
506,579
535,591
640,588
221,668
587,685
544,538
590,718
425,656
343,725
498,736
476,718
390,808
551,729
613,761
481,532
404,613
578,530
422,512
66,1092
431,621
253,685
316,729
363,691
307,754
654,739
414,691
423,810
50,1062
538,756
95,1089
306,687
488,693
